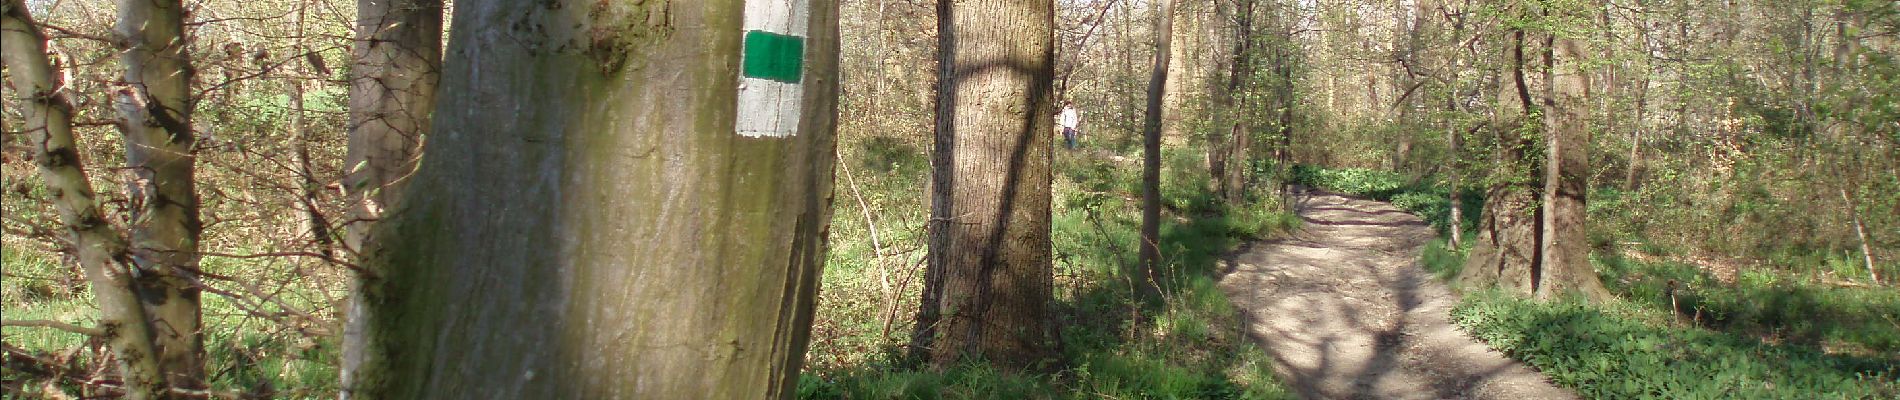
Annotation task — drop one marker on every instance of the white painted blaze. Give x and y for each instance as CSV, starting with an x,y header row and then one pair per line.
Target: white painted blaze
x,y
769,108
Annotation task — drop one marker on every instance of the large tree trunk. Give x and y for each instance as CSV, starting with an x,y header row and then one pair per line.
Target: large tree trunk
x,y
1151,152
1506,248
155,103
1565,266
989,277
1507,244
397,62
616,204
47,117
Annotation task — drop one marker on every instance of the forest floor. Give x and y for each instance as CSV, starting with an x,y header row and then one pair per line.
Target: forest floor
x,y
1346,312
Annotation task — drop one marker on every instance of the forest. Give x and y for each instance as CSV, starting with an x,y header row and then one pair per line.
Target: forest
x,y
950,199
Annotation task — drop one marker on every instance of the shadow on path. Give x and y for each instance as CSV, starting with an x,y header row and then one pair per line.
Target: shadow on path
x,y
1347,312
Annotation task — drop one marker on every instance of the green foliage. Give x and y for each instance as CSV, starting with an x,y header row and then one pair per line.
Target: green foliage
x,y
1622,351
1360,182
1425,197
1775,304
1188,346
1442,260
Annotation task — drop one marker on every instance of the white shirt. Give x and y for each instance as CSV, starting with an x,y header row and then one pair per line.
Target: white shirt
x,y
1069,118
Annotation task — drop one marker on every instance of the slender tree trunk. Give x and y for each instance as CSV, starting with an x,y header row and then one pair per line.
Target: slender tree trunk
x,y
989,277
312,223
396,64
1636,135
1184,68
1860,231
155,103
47,117
1565,263
624,201
1454,182
1228,155
1151,153
1452,66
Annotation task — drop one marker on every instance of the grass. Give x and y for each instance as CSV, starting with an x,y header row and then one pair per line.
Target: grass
x,y
1188,346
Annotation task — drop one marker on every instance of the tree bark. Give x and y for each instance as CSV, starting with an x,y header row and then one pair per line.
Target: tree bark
x,y
47,117
1186,72
1227,151
1860,231
397,65
989,276
155,103
311,223
1507,244
397,62
1151,153
606,212
1565,265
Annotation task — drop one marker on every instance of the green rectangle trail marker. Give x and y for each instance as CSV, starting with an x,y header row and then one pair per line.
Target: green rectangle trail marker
x,y
772,67
774,57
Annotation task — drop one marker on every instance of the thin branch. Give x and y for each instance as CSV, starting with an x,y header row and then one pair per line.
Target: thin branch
x,y
41,323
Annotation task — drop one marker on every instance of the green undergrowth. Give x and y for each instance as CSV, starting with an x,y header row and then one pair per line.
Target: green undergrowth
x,y
1759,337
1631,350
1190,345
1428,197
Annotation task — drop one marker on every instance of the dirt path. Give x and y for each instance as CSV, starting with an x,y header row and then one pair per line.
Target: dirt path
x,y
1347,313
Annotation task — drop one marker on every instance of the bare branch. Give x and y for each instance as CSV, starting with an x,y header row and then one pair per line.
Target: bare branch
x,y
41,323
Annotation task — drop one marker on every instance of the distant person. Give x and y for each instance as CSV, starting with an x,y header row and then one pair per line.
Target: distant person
x,y
1069,119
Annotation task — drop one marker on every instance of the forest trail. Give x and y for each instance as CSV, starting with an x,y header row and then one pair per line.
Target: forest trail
x,y
1346,311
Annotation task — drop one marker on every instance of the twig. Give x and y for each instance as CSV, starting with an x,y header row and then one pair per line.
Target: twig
x,y
877,246
41,323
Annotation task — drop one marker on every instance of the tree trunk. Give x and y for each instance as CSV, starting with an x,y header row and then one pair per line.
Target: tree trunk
x,y
597,220
311,222
1636,134
397,62
1184,68
1507,244
155,103
1227,159
1454,182
1506,248
989,277
1860,231
1565,265
47,117
1151,154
